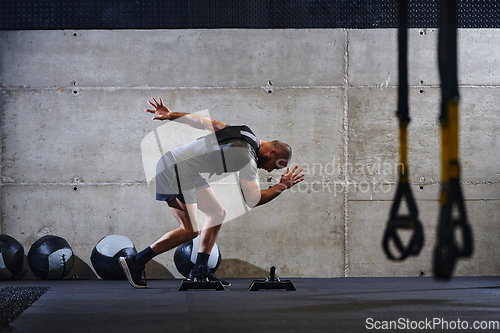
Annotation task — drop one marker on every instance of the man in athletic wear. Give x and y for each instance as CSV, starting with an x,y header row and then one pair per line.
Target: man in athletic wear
x,y
179,183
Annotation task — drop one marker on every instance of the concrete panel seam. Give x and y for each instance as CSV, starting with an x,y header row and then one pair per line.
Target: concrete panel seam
x,y
421,200
344,183
2,148
415,86
275,88
117,88
137,183
464,182
19,184
345,97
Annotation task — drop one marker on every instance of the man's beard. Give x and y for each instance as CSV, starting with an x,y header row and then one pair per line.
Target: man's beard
x,y
261,160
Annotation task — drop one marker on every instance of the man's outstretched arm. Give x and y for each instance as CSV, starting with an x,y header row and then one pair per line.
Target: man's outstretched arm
x,y
194,120
255,197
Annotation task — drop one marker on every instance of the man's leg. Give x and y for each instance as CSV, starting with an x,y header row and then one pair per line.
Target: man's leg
x,y
215,214
187,216
189,227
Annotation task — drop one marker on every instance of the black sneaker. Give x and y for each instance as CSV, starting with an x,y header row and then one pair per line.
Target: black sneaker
x,y
133,271
204,275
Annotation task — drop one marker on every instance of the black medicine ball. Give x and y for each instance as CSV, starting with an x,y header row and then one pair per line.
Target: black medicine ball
x,y
50,258
105,256
11,257
186,253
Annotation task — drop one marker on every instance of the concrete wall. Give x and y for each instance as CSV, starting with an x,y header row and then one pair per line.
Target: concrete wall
x,y
72,125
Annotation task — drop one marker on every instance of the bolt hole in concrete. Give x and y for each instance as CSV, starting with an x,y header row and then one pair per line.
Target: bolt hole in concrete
x,y
75,34
421,187
75,188
421,82
421,91
75,92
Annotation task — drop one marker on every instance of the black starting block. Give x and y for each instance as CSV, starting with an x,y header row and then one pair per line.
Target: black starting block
x,y
207,285
203,283
271,282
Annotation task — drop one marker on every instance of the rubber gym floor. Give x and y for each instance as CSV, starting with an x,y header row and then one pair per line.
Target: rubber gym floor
x,y
318,305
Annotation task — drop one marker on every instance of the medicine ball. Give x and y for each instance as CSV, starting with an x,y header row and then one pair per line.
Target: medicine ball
x,y
50,258
11,257
186,253
105,256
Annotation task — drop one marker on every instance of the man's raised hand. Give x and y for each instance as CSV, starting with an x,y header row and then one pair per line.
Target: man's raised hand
x,y
288,179
161,111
